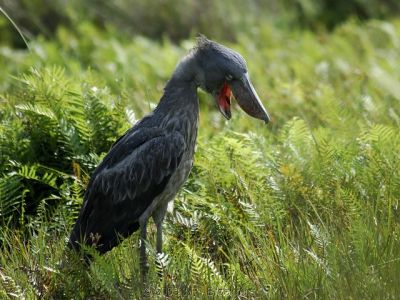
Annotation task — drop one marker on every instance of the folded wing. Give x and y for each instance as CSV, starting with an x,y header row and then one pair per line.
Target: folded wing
x,y
131,176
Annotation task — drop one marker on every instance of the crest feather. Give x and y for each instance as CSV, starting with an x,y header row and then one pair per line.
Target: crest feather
x,y
202,42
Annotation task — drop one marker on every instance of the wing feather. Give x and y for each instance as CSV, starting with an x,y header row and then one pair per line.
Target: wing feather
x,y
131,176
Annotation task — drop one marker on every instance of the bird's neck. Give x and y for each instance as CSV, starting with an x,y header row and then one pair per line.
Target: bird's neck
x,y
178,109
179,106
180,93
179,97
188,69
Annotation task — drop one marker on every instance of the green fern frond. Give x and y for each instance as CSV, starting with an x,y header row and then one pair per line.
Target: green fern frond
x,y
10,289
297,140
378,134
203,269
320,237
75,113
31,172
38,109
10,196
163,260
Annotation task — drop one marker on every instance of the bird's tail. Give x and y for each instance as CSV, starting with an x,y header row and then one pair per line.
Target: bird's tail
x,y
74,246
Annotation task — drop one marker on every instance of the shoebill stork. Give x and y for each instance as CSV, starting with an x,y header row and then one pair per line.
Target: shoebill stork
x,y
146,167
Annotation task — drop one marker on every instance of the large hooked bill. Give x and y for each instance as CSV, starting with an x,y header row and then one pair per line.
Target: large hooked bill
x,y
245,95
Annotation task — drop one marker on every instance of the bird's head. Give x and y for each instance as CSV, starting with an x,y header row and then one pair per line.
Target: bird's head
x,y
222,72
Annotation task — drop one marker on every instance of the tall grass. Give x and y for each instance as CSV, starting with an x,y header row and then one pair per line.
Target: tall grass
x,y
304,208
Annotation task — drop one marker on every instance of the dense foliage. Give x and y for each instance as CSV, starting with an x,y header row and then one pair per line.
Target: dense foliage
x,y
179,19
307,207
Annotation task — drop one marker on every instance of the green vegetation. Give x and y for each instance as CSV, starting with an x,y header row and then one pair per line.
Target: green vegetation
x,y
180,19
306,207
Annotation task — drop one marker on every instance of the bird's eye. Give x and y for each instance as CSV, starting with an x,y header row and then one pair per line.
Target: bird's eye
x,y
229,77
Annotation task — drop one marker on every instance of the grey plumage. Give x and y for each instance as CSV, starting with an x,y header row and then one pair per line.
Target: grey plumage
x,y
146,167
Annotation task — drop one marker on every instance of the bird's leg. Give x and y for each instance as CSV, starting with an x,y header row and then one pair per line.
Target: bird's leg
x,y
159,246
143,257
159,237
159,251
